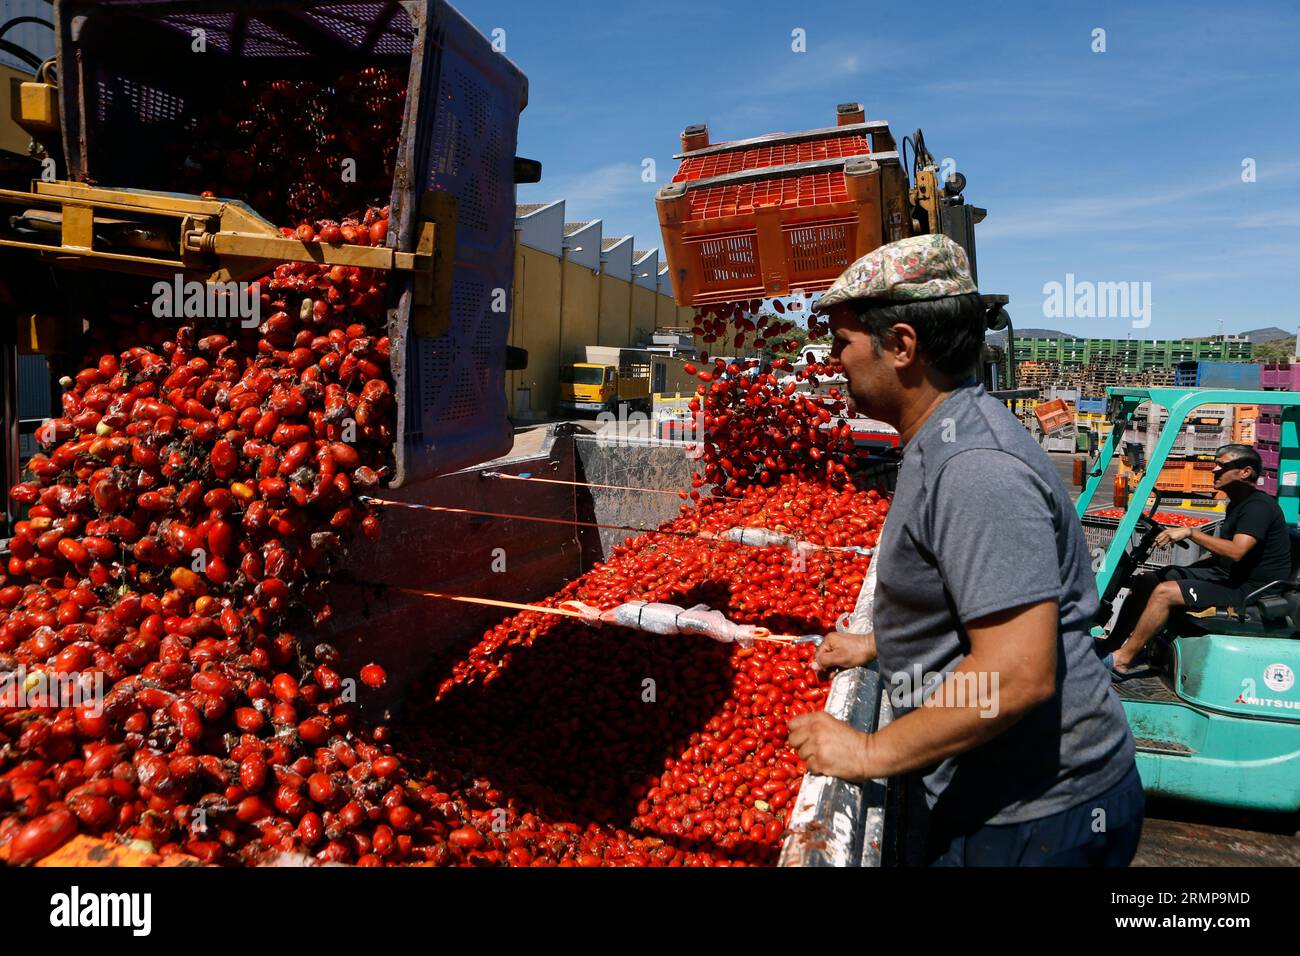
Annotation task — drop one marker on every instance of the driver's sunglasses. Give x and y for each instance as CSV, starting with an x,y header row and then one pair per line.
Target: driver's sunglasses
x,y
1232,465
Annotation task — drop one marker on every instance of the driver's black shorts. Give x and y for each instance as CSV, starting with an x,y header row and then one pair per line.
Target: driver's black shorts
x,y
1204,587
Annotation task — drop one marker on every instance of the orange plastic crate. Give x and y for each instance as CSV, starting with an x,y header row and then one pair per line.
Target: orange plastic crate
x,y
1192,476
780,213
1054,415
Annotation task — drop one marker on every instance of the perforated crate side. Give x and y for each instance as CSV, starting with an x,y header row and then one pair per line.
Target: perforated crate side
x,y
132,86
1098,532
455,401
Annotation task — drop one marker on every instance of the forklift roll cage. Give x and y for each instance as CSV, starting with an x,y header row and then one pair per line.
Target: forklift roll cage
x,y
1180,402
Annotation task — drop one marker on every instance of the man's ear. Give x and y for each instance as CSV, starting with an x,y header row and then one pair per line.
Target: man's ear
x,y
904,337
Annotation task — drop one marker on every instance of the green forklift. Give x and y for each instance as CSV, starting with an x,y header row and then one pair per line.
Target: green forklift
x,y
1219,721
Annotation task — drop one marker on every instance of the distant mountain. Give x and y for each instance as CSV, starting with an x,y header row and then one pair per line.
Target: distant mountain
x,y
1270,334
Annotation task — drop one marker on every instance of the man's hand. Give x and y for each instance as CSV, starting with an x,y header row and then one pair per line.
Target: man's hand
x,y
829,746
1171,536
845,650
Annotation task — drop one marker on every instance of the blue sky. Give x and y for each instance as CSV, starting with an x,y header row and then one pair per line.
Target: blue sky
x,y
1120,166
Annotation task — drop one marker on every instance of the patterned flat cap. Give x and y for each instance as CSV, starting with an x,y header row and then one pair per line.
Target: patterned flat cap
x,y
919,267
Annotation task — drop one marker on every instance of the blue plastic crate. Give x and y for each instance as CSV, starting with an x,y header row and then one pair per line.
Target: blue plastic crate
x,y
129,80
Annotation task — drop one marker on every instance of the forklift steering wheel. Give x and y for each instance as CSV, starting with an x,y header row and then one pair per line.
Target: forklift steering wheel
x,y
1147,523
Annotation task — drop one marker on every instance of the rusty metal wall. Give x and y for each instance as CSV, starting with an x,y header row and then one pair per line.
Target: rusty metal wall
x,y
500,558
461,554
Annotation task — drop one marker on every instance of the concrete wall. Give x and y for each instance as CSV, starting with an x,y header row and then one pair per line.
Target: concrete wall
x,y
615,307
617,262
543,230
535,323
579,311
583,247
645,272
643,313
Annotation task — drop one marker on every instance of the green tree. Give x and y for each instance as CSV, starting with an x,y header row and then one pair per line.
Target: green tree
x,y
1279,350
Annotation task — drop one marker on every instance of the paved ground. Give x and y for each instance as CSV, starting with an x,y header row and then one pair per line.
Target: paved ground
x,y
1064,462
1177,834
529,439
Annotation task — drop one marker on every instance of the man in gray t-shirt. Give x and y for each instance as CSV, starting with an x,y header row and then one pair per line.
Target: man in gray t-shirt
x,y
984,595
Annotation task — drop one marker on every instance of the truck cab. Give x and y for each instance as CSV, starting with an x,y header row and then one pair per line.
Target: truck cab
x,y
600,387
587,387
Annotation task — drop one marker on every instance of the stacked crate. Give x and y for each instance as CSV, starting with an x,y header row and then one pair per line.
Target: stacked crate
x,y
780,213
1090,415
1056,427
1273,377
1243,424
1189,467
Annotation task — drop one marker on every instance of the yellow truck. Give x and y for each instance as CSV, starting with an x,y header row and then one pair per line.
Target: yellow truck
x,y
613,376
602,386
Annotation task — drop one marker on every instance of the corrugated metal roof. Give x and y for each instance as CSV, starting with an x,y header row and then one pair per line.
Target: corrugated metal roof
x,y
571,227
612,241
639,254
528,208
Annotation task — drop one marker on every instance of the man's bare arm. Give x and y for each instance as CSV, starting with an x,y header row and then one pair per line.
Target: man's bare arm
x,y
1012,664
1233,550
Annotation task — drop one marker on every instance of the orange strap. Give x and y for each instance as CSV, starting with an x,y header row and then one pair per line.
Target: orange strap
x,y
490,602
562,612
593,484
498,514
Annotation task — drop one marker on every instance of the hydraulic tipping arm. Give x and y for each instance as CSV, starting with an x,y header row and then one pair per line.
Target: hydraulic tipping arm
x,y
162,234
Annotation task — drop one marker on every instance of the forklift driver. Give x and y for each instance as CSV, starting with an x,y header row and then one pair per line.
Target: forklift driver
x,y
1251,549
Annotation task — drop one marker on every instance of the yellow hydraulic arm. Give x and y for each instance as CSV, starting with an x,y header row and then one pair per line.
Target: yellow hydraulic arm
x,y
161,234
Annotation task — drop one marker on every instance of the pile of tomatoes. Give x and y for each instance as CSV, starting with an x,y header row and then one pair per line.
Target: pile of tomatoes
x,y
555,743
549,743
298,149
198,489
1160,517
182,519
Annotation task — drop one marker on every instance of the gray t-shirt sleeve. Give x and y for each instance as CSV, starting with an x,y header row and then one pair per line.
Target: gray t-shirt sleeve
x,y
992,534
